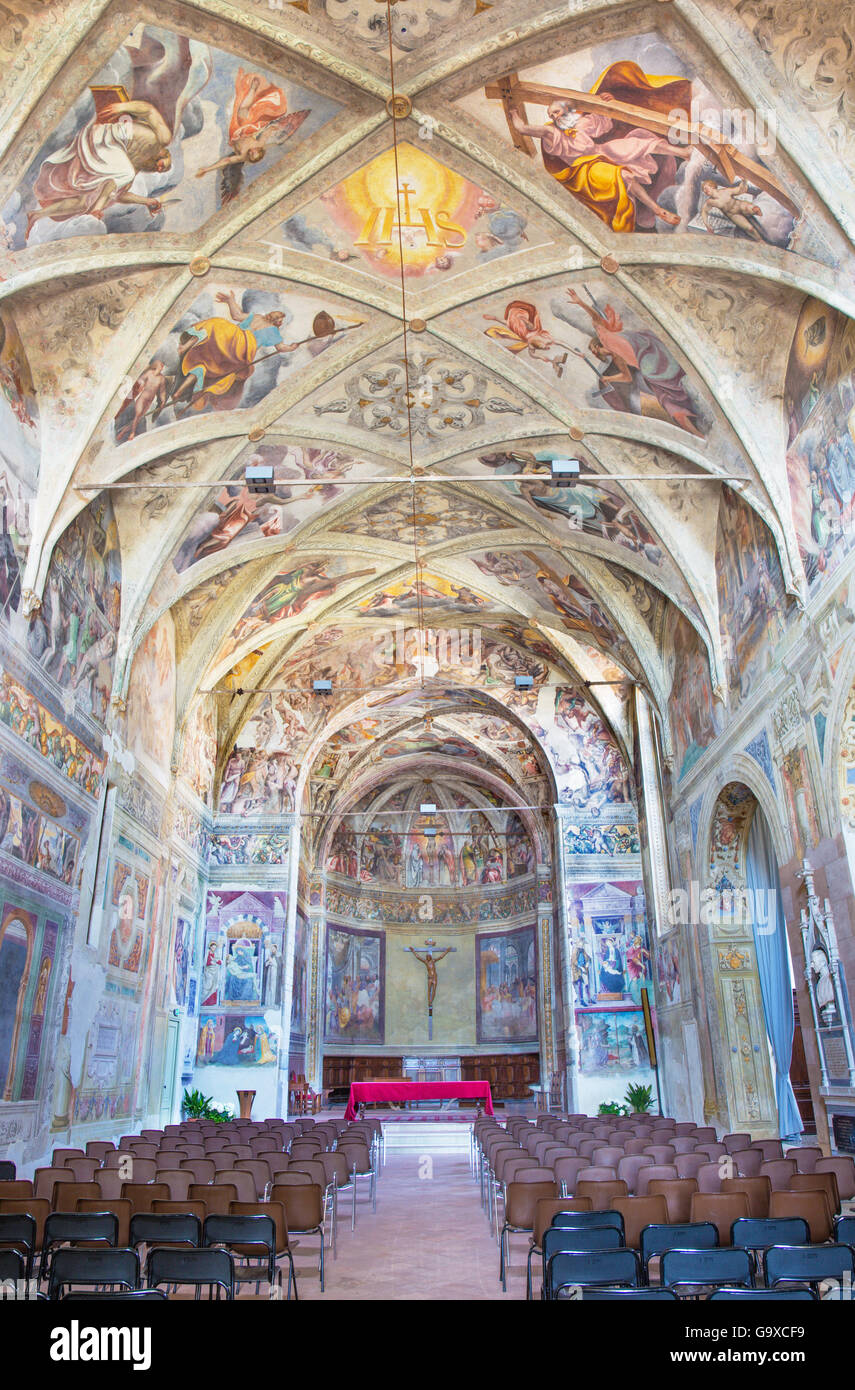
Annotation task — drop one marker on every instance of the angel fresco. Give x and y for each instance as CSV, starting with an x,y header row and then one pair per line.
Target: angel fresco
x,y
260,118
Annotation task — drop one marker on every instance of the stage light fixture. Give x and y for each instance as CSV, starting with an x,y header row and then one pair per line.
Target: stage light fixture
x,y
259,477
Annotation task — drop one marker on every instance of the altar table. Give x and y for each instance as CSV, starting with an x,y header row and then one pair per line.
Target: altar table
x,y
369,1092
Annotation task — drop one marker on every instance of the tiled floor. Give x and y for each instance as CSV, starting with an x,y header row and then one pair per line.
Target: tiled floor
x,y
428,1239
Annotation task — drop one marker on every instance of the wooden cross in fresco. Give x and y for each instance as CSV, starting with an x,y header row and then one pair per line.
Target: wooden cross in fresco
x,y
513,95
429,960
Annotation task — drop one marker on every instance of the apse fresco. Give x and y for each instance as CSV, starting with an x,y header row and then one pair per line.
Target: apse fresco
x,y
354,1009
406,203
231,347
167,133
696,716
751,595
595,350
819,402
235,515
472,848
73,635
593,121
506,999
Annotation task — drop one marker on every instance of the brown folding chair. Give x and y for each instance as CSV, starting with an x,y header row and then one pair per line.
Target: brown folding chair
x,y
188,1208
779,1171
843,1169
259,1172
60,1156
45,1179
142,1194
648,1175
758,1191
119,1206
304,1210
202,1170
638,1212
218,1197
178,1180
818,1182
284,1245
521,1199
677,1194
601,1193
721,1208
15,1189
67,1194
812,1207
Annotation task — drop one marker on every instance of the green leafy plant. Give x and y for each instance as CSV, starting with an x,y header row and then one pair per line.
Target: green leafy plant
x,y
199,1107
612,1107
638,1098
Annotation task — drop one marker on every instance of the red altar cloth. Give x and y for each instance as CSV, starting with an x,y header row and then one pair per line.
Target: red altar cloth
x,y
368,1092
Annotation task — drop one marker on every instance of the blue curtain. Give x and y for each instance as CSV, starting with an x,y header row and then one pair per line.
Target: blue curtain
x,y
770,940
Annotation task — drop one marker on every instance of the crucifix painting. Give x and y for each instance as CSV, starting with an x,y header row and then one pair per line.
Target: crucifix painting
x,y
429,960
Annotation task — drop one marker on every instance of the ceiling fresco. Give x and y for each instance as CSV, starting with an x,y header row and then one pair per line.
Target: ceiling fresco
x,y
590,235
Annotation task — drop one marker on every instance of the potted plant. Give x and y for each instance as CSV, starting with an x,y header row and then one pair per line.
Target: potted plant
x,y
638,1098
612,1107
194,1105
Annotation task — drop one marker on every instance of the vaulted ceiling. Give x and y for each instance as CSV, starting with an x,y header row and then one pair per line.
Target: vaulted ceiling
x,y
364,262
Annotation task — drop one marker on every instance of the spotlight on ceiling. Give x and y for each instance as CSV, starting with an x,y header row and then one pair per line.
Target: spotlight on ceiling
x,y
523,682
322,687
427,808
259,477
565,472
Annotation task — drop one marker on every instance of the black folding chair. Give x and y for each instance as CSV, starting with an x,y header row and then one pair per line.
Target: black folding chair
x,y
810,1264
146,1295
690,1271
13,1272
245,1236
657,1295
559,1238
70,1227
683,1235
8,1172
572,1269
211,1269
94,1267
792,1295
166,1228
18,1232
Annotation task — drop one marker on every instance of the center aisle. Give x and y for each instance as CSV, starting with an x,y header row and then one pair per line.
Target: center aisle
x,y
428,1239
